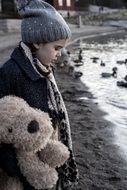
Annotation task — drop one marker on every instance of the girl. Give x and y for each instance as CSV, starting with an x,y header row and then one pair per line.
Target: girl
x,y
29,75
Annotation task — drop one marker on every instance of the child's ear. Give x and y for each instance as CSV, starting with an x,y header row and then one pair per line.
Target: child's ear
x,y
36,45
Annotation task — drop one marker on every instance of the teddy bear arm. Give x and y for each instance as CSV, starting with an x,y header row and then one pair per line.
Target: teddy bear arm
x,y
54,154
26,185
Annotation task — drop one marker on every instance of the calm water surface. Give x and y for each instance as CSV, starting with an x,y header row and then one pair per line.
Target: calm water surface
x,y
111,98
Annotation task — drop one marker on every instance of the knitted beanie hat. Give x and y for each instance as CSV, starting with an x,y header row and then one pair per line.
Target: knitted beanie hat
x,y
41,22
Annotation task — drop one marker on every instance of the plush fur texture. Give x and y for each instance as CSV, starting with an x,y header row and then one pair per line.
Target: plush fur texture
x,y
54,160
30,131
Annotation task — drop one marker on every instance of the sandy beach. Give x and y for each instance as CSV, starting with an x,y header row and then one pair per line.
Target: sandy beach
x,y
100,165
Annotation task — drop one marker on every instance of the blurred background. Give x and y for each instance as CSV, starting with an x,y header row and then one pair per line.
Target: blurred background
x,y
87,12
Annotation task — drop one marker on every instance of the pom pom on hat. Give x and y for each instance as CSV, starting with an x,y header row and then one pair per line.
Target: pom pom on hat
x,y
41,22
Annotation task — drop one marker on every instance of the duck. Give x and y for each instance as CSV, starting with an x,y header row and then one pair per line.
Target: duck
x,y
125,78
79,61
102,64
77,74
94,59
122,84
113,74
121,62
79,64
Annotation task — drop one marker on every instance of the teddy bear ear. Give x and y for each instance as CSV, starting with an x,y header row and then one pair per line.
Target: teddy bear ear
x,y
33,126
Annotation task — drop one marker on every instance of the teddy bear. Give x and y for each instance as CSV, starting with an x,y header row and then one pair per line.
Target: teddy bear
x,y
30,131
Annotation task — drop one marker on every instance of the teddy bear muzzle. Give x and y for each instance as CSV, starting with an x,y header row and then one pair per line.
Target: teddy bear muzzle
x,y
33,126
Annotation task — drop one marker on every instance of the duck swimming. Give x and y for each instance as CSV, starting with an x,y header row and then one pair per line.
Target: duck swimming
x,y
95,59
102,64
122,83
125,78
77,74
120,62
79,61
113,74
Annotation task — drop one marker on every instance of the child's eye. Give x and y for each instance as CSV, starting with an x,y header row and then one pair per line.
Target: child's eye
x,y
58,48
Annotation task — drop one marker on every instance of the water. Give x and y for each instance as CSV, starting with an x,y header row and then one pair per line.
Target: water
x,y
111,98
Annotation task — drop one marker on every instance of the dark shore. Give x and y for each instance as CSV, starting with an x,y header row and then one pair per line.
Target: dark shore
x,y
100,165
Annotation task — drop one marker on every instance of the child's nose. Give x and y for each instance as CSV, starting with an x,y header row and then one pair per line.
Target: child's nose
x,y
59,54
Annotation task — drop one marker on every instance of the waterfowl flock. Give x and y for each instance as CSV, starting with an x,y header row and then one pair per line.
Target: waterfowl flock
x,y
67,62
114,71
78,61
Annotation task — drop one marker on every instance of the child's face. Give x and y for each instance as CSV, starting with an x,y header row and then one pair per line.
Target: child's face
x,y
49,52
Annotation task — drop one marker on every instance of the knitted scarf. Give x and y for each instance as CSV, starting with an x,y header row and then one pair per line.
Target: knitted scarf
x,y
68,173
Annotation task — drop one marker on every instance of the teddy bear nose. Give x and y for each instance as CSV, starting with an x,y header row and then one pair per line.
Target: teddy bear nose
x,y
33,126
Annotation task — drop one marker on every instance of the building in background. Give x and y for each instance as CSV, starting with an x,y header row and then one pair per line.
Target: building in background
x,y
62,4
8,7
65,7
71,6
74,5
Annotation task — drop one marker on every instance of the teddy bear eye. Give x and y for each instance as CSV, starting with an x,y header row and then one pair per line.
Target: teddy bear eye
x,y
10,130
33,126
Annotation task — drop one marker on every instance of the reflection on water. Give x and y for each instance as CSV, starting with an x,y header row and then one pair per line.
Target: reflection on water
x,y
111,98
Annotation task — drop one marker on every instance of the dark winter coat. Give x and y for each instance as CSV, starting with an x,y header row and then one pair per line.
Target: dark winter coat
x,y
18,77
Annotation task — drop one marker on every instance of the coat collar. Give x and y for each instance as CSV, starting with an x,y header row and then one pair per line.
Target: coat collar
x,y
24,63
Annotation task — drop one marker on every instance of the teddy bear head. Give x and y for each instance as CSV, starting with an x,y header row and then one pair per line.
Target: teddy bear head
x,y
26,128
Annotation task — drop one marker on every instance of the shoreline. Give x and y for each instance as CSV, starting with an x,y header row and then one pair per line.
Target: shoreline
x,y
99,162
98,159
